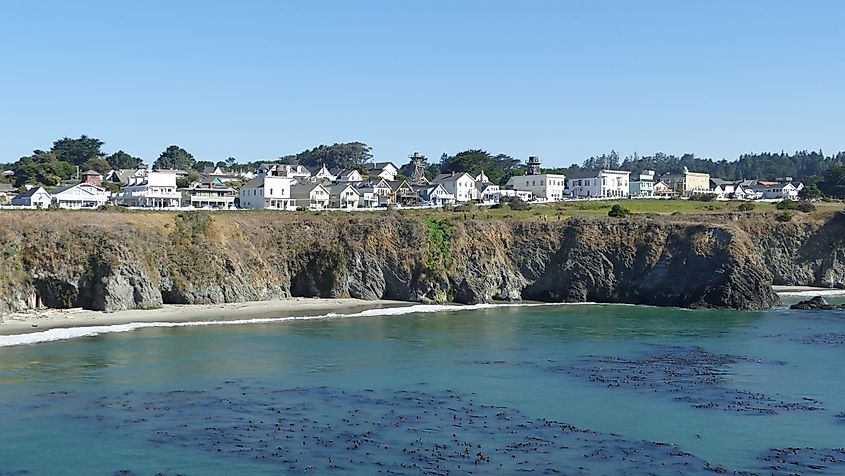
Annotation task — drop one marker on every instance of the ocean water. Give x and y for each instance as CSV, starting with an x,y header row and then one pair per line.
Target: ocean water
x,y
569,389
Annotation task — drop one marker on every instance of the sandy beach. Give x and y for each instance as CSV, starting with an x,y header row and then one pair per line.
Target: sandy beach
x,y
806,290
36,321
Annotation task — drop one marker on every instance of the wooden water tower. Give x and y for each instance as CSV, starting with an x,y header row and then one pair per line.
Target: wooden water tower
x,y
418,161
533,165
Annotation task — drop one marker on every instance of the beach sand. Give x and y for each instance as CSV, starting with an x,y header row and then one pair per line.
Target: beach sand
x,y
40,320
798,289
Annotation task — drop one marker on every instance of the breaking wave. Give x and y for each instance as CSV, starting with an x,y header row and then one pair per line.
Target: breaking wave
x,y
65,333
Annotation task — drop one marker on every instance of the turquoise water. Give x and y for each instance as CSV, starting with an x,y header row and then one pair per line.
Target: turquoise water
x,y
573,388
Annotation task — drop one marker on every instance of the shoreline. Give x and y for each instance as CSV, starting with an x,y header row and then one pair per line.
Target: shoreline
x,y
46,319
811,291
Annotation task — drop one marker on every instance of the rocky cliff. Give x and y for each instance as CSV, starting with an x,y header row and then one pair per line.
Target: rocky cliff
x,y
112,261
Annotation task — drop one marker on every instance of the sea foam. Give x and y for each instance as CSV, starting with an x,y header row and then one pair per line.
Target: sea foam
x,y
65,333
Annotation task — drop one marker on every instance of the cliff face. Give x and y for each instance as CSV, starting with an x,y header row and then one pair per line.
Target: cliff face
x,y
113,261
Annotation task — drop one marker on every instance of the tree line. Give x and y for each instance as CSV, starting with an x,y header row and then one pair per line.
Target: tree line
x,y
60,163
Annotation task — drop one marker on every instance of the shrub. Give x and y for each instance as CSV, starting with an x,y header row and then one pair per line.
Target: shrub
x,y
703,197
806,207
786,205
108,207
746,207
515,203
617,211
784,217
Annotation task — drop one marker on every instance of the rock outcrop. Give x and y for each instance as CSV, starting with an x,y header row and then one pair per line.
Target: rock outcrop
x,y
112,261
816,303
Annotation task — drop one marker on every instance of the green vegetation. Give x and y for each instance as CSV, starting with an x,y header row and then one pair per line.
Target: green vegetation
x,y
804,207
833,184
191,226
59,164
703,197
345,156
597,209
499,168
175,157
810,192
122,160
439,253
77,151
784,216
618,211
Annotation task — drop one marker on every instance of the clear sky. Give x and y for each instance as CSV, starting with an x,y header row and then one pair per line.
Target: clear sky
x,y
562,79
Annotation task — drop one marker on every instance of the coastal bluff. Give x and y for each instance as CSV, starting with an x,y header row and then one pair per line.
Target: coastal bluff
x,y
112,261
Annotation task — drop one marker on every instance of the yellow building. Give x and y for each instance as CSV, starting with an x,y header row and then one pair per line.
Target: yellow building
x,y
688,183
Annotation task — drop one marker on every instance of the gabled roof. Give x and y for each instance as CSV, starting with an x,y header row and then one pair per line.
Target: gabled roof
x,y
335,189
380,165
303,190
257,182
716,181
451,177
29,193
344,173
65,188
396,184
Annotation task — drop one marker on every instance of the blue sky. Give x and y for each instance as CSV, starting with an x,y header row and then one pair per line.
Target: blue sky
x,y
564,80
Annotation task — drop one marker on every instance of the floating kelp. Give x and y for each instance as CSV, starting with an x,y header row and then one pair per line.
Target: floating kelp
x,y
805,460
690,375
824,339
323,430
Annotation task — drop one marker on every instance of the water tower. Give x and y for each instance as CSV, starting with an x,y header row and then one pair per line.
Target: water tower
x,y
418,161
533,165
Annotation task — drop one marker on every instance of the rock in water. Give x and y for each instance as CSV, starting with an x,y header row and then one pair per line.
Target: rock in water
x,y
815,303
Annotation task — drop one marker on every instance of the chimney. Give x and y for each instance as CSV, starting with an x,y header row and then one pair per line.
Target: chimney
x,y
453,173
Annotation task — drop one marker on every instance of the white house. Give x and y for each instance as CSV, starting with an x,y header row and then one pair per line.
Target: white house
x,y
344,195
460,185
744,190
367,197
402,193
34,197
310,196
599,184
777,190
348,175
81,195
385,170
267,191
324,175
642,185
487,192
434,194
212,195
123,175
546,187
156,189
296,172
381,190
524,195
